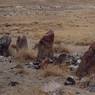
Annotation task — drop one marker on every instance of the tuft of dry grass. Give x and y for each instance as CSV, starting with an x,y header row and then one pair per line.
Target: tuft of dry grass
x,y
23,90
38,91
25,54
19,69
22,72
60,49
55,70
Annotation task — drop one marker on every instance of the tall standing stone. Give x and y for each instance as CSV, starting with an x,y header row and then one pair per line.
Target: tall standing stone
x,y
87,65
45,46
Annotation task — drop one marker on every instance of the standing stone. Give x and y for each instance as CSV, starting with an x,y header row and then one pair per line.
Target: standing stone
x,y
21,42
5,42
87,65
45,46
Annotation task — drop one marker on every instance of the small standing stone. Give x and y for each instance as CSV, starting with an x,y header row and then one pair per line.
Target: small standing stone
x,y
5,42
21,42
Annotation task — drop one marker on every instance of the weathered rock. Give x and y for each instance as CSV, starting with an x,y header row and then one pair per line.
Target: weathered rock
x,y
44,63
61,58
13,83
45,47
51,86
70,81
33,65
73,67
4,45
21,43
92,88
84,82
87,65
76,60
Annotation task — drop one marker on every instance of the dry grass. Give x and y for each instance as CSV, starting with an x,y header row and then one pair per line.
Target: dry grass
x,y
24,55
21,72
58,48
55,70
37,91
19,90
19,69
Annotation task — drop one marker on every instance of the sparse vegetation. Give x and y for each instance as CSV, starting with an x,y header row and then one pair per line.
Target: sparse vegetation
x,y
73,22
25,55
55,70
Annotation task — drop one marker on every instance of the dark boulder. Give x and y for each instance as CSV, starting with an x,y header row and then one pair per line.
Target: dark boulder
x,y
70,81
5,42
61,58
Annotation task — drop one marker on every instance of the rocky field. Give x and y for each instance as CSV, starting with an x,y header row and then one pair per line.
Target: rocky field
x,y
73,22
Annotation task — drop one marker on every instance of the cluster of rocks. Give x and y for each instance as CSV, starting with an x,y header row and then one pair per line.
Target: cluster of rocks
x,y
46,54
81,65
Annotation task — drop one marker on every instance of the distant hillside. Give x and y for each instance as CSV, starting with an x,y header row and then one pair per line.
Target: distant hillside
x,y
14,2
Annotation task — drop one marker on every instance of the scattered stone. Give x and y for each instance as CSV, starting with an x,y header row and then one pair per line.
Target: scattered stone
x,y
91,88
13,83
33,65
36,65
73,67
70,81
84,82
61,58
75,59
78,93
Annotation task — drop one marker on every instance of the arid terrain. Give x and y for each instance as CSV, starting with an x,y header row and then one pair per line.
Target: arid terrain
x,y
73,22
